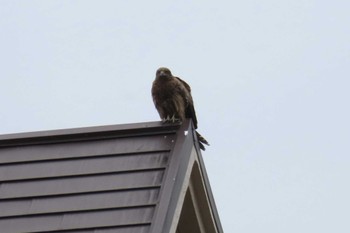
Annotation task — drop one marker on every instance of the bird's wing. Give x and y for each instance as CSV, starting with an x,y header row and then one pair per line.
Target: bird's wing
x,y
156,89
189,109
188,88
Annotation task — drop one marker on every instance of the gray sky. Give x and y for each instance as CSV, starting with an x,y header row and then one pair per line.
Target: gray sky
x,y
270,82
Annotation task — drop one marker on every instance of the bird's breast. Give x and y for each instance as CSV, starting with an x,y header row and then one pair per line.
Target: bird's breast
x,y
164,90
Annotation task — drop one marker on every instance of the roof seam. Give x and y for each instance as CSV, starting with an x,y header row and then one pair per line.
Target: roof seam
x,y
85,175
79,211
97,228
86,157
81,193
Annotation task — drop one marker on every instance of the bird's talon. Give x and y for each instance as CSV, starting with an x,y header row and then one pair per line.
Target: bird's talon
x,y
167,119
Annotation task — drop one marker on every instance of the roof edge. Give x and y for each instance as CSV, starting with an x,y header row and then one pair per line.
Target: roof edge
x,y
172,187
179,168
209,193
87,133
206,181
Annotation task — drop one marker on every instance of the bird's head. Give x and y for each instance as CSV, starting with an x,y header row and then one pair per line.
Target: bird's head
x,y
163,72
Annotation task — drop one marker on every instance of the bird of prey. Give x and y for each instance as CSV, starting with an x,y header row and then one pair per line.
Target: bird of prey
x,y
173,101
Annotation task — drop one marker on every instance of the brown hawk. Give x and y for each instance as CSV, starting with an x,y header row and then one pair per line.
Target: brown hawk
x,y
173,100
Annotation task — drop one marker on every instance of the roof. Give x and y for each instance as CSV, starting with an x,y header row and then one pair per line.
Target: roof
x,y
144,177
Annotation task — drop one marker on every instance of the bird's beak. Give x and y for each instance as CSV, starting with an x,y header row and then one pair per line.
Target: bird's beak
x,y
162,74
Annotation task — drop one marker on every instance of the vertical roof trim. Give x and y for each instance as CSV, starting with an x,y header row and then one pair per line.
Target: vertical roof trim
x,y
178,174
208,187
171,189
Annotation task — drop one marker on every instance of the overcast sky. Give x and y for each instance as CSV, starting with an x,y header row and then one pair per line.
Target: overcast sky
x,y
270,80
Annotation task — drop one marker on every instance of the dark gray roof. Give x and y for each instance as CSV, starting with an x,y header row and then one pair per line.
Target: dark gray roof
x,y
121,178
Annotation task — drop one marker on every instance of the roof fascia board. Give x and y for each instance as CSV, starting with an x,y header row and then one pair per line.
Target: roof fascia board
x,y
201,204
182,194
208,188
173,187
87,133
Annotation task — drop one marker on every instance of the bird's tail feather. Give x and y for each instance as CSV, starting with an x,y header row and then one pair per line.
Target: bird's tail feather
x,y
201,141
